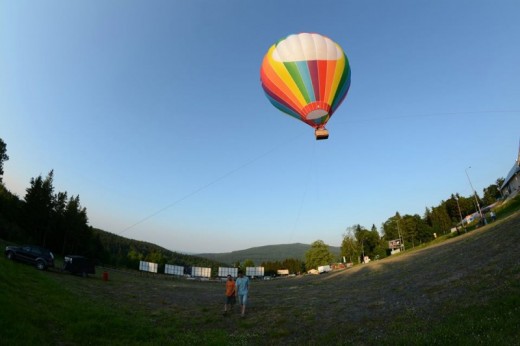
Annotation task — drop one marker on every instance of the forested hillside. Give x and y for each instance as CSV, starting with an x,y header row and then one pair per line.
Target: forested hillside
x,y
266,253
60,223
120,251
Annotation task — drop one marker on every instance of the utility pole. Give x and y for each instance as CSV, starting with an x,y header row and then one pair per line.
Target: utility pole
x,y
461,220
474,193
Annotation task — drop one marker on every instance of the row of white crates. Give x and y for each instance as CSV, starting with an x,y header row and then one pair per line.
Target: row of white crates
x,y
199,271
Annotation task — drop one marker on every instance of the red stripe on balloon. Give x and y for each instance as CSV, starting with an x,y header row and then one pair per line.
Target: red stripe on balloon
x,y
322,78
315,105
313,70
277,93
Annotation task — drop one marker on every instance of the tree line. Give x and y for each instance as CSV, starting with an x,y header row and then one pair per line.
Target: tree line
x,y
59,222
411,230
414,230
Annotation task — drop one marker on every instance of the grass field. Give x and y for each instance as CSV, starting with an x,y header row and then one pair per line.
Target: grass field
x,y
463,291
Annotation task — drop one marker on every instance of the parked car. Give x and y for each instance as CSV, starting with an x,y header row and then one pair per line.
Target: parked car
x,y
41,257
78,265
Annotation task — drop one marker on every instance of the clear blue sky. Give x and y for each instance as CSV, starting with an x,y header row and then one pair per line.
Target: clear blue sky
x,y
152,112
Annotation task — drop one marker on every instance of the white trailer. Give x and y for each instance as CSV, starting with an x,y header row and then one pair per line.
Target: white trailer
x,y
324,269
225,271
148,267
255,271
201,272
173,270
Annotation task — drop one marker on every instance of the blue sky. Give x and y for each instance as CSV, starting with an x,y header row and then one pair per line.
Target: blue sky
x,y
152,112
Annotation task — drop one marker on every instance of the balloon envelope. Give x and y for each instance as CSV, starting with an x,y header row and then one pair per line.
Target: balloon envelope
x,y
306,76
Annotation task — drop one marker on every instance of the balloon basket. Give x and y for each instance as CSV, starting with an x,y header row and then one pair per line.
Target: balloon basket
x,y
321,134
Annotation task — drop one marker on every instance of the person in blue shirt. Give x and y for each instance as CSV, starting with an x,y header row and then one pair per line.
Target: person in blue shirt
x,y
242,289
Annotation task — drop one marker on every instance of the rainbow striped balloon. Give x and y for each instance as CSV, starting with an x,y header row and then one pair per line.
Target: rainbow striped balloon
x,y
306,76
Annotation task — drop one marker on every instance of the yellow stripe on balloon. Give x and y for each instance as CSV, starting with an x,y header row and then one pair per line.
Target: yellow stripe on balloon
x,y
338,72
286,77
280,88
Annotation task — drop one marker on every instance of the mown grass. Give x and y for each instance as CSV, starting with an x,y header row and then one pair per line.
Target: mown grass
x,y
495,322
35,309
49,308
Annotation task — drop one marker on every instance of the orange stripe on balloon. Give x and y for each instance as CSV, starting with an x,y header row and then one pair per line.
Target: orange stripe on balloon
x,y
273,86
276,80
331,67
273,83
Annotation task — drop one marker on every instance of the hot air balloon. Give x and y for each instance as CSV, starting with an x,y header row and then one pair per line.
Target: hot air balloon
x,y
307,76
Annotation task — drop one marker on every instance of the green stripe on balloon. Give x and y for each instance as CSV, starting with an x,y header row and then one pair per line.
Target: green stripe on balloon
x,y
292,68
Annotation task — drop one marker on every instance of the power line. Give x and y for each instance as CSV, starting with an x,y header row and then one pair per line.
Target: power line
x,y
248,163
213,182
304,196
423,115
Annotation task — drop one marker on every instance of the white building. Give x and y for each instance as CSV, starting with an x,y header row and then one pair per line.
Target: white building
x,y
511,185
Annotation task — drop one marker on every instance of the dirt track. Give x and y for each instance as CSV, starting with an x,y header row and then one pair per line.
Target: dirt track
x,y
425,283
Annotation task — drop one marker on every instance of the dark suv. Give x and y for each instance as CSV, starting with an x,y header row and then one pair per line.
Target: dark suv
x,y
36,255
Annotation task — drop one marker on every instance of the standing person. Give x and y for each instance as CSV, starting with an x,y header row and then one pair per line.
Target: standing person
x,y
242,288
230,294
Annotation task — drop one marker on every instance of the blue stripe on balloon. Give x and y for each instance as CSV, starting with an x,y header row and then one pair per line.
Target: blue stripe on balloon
x,y
283,108
276,100
342,93
303,68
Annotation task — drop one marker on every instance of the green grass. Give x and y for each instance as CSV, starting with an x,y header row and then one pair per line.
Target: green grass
x,y
508,207
493,323
49,308
36,310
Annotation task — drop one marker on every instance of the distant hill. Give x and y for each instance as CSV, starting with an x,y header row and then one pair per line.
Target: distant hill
x,y
121,251
265,253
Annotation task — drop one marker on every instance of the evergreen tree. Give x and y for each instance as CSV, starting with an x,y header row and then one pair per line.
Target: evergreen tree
x,y
3,157
77,233
39,204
